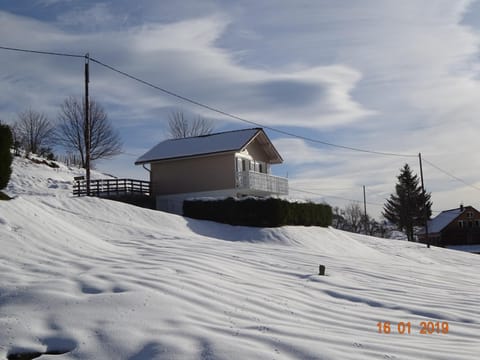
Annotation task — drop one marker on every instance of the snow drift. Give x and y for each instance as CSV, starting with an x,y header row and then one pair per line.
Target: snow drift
x,y
98,279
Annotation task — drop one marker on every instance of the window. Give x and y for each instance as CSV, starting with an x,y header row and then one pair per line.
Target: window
x,y
469,215
243,164
460,224
258,166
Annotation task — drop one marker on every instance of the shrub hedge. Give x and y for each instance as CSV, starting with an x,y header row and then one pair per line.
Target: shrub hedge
x,y
144,201
258,212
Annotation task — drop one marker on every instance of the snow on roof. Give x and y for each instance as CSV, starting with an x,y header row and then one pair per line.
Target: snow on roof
x,y
467,248
443,219
199,145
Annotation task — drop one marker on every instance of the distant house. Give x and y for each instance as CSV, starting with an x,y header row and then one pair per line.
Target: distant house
x,y
456,228
233,163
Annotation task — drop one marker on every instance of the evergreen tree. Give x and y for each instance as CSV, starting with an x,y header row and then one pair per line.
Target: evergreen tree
x,y
6,142
406,208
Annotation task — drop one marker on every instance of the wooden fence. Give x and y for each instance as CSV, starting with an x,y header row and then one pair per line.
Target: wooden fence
x,y
109,187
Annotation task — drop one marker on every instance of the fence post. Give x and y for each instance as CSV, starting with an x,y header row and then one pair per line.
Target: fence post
x,y
78,180
321,270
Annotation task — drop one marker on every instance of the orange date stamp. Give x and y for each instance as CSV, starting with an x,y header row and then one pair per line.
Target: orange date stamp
x,y
423,328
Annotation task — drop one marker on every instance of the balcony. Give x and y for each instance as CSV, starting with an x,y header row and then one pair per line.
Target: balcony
x,y
256,183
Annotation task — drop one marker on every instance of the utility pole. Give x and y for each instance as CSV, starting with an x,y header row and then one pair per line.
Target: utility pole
x,y
87,125
365,209
424,205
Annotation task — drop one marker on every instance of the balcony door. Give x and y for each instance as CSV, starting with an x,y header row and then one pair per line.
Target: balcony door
x,y
259,167
243,164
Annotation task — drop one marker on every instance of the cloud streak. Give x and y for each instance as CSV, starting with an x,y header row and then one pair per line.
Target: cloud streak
x,y
387,76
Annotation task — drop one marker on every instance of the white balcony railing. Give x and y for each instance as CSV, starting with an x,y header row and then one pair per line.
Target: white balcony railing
x,y
255,181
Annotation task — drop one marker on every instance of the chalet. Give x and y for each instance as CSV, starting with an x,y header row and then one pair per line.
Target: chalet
x,y
233,163
456,228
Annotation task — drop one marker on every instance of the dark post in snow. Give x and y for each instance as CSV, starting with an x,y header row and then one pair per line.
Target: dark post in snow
x,y
321,270
365,210
424,196
87,126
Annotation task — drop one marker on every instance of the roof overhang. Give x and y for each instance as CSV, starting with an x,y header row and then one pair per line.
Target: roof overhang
x,y
175,158
263,140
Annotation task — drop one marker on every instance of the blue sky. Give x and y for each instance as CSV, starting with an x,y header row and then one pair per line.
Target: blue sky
x,y
389,76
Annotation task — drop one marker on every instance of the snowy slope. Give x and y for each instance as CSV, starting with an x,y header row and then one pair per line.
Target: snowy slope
x,y
98,279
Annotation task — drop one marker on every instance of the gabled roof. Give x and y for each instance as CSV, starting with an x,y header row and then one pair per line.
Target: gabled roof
x,y
229,141
439,222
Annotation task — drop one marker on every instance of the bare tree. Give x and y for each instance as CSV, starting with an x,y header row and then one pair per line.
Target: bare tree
x,y
17,139
181,127
33,131
338,220
105,141
354,217
351,218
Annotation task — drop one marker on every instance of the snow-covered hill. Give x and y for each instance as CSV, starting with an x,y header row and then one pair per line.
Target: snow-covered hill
x,y
97,279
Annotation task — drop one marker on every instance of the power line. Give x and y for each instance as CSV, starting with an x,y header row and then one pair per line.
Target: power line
x,y
451,175
331,196
211,108
208,107
343,198
41,52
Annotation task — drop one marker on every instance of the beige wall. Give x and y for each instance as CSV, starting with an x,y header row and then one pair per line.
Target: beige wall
x,y
256,151
214,172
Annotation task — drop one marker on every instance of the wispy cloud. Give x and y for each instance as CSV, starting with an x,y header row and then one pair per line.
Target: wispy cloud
x,y
183,56
386,76
98,16
51,2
